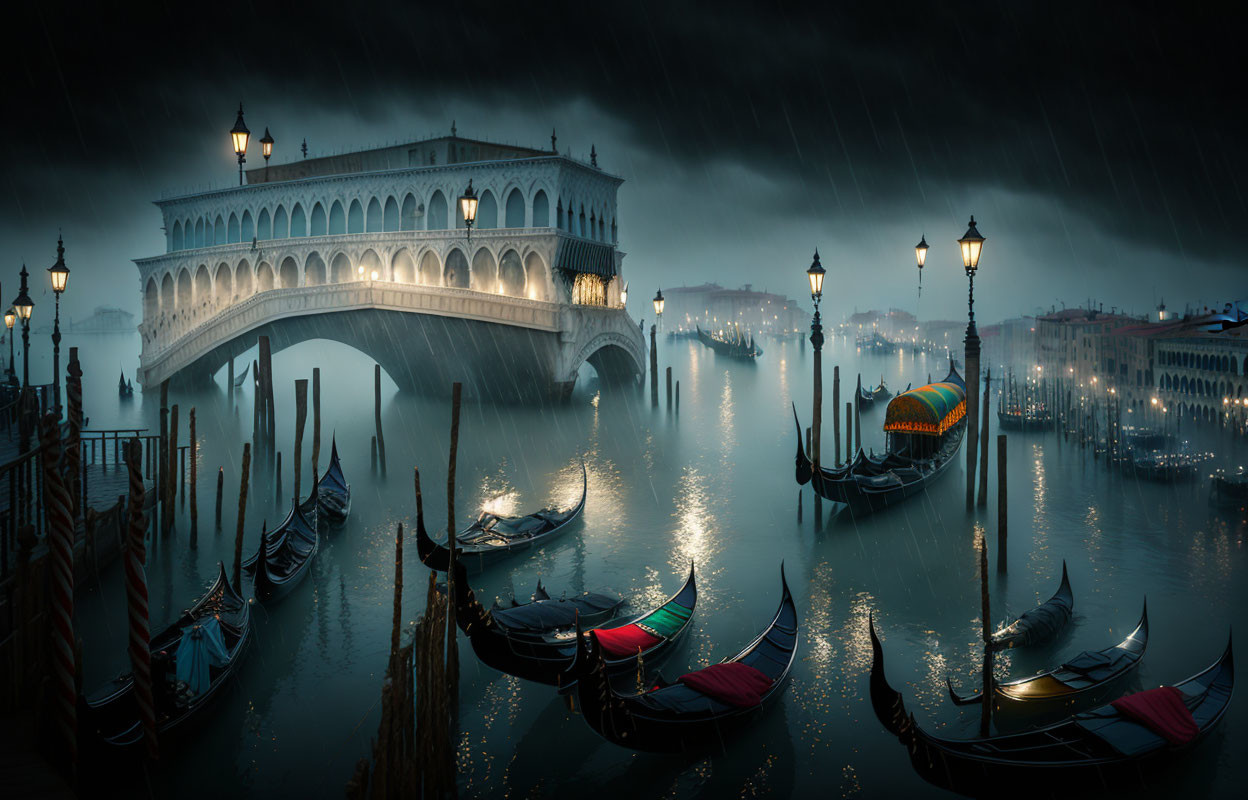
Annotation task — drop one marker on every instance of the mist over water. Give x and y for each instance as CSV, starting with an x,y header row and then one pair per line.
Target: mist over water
x,y
712,484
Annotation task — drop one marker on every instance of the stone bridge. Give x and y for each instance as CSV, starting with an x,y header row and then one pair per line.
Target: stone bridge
x,y
424,336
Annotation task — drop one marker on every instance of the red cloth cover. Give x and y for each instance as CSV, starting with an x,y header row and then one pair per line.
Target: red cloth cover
x,y
1162,711
733,683
625,641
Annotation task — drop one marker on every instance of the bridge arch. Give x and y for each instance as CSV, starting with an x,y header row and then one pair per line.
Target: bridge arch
x,y
487,211
535,276
185,293
223,285
455,269
355,217
175,237
340,269
390,215
430,272
298,222
320,225
167,293
244,282
247,229
151,299
199,232
281,224
435,219
231,229
337,219
264,277
203,287
373,222
264,225
314,270
484,271
288,273
403,267
370,267
407,216
515,208
218,231
541,210
511,274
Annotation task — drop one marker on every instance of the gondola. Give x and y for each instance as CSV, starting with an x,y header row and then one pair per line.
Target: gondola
x,y
1099,749
925,427
866,400
1077,682
1228,489
677,717
215,630
537,641
493,537
287,555
1041,623
735,345
881,392
333,493
124,389
239,379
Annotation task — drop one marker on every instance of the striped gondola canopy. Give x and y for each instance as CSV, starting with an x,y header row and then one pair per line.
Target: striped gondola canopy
x,y
930,410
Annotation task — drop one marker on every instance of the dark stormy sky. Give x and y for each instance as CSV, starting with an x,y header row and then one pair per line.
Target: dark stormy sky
x,y
1100,145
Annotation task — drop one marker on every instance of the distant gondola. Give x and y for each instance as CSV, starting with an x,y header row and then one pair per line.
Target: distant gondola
x,y
537,641
881,392
287,555
333,493
214,631
493,537
1081,680
1100,748
1041,623
239,379
700,708
1228,489
925,428
734,344
124,389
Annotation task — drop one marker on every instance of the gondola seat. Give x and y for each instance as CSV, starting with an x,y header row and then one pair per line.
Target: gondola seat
x,y
1162,711
626,640
734,683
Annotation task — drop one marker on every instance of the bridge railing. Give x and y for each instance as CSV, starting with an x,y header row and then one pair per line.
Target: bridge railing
x,y
185,347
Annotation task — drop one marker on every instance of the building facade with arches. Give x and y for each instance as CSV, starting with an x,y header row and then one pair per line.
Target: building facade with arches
x,y
546,227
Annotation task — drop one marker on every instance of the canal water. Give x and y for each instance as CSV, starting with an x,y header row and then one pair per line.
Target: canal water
x,y
712,484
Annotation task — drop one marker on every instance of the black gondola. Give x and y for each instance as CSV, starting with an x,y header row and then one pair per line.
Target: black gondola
x,y
333,493
1041,623
866,400
925,428
1077,683
1228,489
493,537
239,379
1099,748
113,713
734,343
124,389
676,717
537,641
287,554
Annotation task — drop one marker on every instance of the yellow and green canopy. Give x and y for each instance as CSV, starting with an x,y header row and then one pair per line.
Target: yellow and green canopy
x,y
930,410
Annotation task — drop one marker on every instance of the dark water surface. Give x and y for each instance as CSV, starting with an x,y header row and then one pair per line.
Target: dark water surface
x,y
713,483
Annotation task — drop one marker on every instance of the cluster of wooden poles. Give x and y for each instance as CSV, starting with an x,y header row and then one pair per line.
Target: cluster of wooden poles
x,y
654,378
414,752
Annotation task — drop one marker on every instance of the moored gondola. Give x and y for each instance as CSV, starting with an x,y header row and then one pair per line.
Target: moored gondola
x,y
1228,489
493,537
698,710
732,343
333,493
242,377
1041,623
537,641
1078,682
192,661
284,556
925,427
1102,748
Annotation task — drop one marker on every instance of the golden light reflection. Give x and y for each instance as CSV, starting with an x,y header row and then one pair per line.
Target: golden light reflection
x,y
696,524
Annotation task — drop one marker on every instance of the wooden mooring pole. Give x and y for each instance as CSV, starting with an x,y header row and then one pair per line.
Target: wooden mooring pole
x,y
220,491
316,422
836,416
1002,504
985,719
452,650
301,418
654,369
194,479
983,445
381,440
242,517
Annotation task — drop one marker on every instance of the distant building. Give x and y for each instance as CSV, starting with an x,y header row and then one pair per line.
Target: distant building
x,y
1009,344
711,305
105,319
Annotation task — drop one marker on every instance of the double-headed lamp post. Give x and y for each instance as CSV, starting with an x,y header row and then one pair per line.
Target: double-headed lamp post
x,y
23,305
468,203
59,273
815,276
10,317
239,135
971,244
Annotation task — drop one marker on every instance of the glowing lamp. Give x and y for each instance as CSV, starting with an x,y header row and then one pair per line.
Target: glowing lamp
x,y
10,317
972,244
240,134
468,205
920,251
815,276
58,272
658,303
266,145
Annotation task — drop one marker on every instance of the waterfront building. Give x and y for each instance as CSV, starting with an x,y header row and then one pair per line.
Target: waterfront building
x,y
711,306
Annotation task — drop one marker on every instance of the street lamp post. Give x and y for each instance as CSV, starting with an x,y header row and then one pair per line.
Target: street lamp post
x,y
659,302
23,305
10,317
971,244
266,147
239,135
59,274
920,255
815,275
